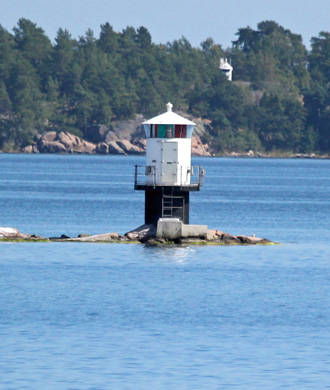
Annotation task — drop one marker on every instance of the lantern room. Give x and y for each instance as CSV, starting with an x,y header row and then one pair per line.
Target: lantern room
x,y
168,125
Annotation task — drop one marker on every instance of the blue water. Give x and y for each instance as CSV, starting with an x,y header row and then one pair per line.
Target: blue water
x,y
107,316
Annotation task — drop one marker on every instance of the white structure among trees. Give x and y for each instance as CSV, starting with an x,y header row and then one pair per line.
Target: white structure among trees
x,y
226,68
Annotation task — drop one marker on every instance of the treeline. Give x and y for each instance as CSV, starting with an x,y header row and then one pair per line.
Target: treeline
x,y
279,99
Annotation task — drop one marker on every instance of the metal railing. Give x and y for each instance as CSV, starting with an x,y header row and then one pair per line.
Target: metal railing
x,y
197,175
146,175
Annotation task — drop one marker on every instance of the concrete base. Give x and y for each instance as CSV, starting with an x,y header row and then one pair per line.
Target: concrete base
x,y
199,231
173,228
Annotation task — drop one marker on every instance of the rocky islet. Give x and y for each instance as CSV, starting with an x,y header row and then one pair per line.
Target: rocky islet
x,y
145,234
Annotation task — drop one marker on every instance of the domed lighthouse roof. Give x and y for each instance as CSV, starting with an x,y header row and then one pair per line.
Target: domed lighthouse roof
x,y
169,118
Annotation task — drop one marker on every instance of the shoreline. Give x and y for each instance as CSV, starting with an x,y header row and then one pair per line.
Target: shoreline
x,y
129,242
142,235
233,155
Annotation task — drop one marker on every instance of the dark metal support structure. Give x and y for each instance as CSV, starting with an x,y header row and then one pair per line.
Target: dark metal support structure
x,y
166,202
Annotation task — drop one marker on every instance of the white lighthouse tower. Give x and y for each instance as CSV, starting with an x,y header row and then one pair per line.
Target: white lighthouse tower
x,y
168,177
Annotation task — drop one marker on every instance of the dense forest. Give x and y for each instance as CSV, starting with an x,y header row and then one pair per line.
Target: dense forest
x,y
278,101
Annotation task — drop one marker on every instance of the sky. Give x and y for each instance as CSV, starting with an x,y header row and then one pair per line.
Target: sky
x,y
169,20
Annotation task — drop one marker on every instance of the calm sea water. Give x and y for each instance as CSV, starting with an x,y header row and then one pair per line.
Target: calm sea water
x,y
107,316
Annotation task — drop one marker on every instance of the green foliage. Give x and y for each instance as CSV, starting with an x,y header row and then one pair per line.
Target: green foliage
x,y
317,97
270,54
280,123
279,99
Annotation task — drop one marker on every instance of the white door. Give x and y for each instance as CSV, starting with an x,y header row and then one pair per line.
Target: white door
x,y
169,162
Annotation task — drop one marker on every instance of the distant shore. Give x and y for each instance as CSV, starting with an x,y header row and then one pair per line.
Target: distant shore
x,y
253,155
128,138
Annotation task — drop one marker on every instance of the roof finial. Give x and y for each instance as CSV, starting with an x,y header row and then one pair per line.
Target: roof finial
x,y
169,106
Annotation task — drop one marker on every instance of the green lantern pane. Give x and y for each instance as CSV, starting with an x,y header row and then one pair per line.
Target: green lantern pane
x,y
161,130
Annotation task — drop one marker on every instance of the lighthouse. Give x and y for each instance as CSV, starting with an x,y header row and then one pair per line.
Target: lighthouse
x,y
226,68
168,176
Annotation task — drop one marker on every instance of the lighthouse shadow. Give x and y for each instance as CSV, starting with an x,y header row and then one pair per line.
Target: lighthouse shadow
x,y
168,253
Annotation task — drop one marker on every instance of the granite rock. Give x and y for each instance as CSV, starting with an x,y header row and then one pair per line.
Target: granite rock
x,y
63,142
12,233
